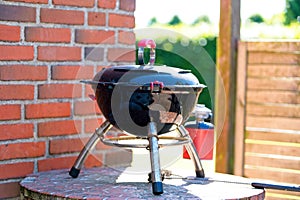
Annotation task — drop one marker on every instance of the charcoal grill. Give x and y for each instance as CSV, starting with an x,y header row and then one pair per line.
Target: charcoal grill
x,y
146,101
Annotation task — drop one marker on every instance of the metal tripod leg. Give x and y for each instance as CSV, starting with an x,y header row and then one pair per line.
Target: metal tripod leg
x,y
103,129
191,149
157,187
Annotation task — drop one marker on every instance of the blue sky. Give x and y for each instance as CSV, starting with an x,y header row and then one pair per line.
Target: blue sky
x,y
189,10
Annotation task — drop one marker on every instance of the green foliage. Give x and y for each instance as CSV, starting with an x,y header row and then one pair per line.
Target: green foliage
x,y
175,21
257,18
202,19
292,11
193,55
152,21
276,19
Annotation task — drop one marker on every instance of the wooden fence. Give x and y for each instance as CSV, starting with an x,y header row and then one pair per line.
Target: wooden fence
x,y
267,125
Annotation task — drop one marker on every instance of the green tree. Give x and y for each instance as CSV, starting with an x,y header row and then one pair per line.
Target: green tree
x,y
256,18
175,21
203,18
152,21
292,11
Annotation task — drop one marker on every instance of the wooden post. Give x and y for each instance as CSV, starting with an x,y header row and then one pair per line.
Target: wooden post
x,y
240,115
229,35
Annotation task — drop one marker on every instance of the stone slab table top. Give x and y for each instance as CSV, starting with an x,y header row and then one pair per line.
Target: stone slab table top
x,y
120,183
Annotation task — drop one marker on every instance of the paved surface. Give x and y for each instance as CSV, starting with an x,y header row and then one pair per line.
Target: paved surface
x,y
121,183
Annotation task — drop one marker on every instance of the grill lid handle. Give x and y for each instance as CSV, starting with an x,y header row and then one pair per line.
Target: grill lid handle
x,y
146,43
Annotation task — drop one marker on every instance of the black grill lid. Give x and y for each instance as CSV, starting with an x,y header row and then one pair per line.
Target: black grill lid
x,y
136,75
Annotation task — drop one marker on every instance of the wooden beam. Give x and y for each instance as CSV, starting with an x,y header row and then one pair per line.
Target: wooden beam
x,y
229,35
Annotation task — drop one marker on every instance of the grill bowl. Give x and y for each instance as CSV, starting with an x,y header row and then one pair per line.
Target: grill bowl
x,y
132,96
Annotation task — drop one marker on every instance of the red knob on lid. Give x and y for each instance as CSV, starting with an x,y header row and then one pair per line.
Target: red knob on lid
x,y
147,43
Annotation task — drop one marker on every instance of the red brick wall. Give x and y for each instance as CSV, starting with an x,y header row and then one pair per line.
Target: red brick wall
x,y
46,48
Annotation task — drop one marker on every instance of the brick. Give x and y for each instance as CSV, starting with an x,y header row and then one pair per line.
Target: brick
x,y
56,163
10,33
39,34
72,72
89,91
58,16
17,53
94,160
78,3
126,37
16,92
86,108
32,1
127,5
119,20
99,68
67,162
54,53
108,4
58,128
94,53
91,124
53,91
45,110
94,36
16,131
17,13
121,55
96,18
23,72
10,112
22,150
60,146
16,170
9,190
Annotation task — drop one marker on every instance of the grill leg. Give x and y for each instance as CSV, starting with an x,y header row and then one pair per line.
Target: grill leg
x,y
191,149
75,170
157,187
